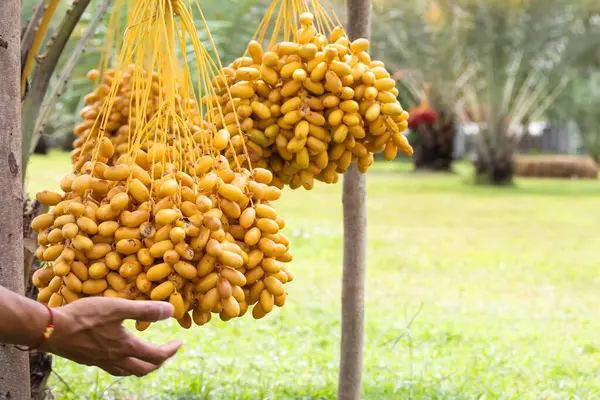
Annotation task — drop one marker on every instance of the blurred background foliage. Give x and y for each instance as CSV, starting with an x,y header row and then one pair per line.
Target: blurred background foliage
x,y
497,65
581,105
494,64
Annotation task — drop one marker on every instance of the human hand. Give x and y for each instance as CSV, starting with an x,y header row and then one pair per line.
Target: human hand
x,y
90,332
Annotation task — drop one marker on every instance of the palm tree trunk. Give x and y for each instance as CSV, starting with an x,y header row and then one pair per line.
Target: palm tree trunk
x,y
40,364
494,164
435,149
355,245
498,170
14,365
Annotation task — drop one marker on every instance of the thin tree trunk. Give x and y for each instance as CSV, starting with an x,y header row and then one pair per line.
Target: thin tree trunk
x,y
355,245
14,365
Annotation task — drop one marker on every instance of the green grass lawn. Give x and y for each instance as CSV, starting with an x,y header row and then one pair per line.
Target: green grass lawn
x,y
472,293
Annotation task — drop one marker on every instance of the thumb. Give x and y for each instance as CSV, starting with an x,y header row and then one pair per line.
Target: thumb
x,y
150,311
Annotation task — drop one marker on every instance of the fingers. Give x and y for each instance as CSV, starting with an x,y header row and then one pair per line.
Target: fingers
x,y
121,309
150,311
130,366
114,371
137,367
149,352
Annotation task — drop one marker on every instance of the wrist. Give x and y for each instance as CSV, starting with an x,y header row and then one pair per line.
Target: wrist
x,y
23,320
61,319
37,323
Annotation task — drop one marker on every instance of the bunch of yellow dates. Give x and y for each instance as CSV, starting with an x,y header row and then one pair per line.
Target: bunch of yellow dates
x,y
310,107
205,238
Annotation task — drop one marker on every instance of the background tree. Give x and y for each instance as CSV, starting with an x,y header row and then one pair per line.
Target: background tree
x,y
580,106
496,64
432,130
587,113
424,54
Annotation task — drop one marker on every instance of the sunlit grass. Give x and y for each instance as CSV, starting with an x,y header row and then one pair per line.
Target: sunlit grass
x,y
472,292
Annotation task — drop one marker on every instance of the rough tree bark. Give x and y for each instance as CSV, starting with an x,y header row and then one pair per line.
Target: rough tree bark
x,y
355,245
14,365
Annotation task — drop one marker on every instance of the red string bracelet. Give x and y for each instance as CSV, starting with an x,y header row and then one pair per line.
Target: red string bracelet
x,y
47,333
